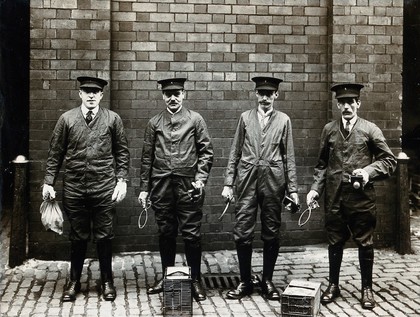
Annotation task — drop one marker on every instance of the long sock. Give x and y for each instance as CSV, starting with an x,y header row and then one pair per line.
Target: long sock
x,y
104,249
77,258
335,255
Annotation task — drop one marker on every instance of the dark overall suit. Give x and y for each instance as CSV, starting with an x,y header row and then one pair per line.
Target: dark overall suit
x,y
177,151
96,155
262,163
351,212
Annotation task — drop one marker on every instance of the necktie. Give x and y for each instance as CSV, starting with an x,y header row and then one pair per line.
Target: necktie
x,y
89,117
347,128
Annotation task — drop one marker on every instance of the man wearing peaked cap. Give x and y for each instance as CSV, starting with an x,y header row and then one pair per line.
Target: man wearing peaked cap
x,y
92,141
353,154
173,179
262,165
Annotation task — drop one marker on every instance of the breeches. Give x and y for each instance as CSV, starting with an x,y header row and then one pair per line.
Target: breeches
x,y
354,216
264,188
174,209
91,214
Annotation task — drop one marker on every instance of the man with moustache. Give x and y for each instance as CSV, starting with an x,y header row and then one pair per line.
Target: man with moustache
x,y
176,161
92,141
262,162
350,146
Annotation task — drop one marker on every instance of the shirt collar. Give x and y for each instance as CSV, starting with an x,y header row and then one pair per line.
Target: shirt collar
x,y
172,113
85,110
352,121
264,114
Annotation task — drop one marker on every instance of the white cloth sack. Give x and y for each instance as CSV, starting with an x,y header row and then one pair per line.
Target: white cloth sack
x,y
51,215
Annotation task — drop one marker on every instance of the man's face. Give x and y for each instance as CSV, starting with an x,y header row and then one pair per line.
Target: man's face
x,y
348,107
90,96
173,99
266,98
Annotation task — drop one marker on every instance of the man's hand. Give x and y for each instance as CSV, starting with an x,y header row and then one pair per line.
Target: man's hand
x,y
48,192
143,199
227,193
311,197
363,173
295,198
120,191
197,192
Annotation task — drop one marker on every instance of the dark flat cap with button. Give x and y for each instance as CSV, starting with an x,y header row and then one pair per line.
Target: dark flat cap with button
x,y
266,83
347,90
92,82
172,83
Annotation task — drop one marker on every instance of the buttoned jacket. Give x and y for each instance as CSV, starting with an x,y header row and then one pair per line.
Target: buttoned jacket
x,y
95,154
271,146
365,147
176,144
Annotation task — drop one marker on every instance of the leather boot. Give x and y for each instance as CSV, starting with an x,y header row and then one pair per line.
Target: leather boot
x,y
366,256
156,288
167,250
77,258
335,256
245,287
198,291
270,254
193,255
104,249
330,294
71,290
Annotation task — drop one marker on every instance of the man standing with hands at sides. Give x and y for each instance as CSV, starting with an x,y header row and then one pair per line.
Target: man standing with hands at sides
x,y
92,141
353,153
176,161
262,161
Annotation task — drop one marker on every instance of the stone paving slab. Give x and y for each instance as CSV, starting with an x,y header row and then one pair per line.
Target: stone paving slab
x,y
34,288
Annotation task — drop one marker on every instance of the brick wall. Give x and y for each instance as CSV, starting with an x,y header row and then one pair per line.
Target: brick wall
x,y
218,45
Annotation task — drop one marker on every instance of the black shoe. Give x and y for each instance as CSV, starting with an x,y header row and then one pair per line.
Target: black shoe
x,y
269,290
242,290
198,291
157,288
72,288
368,302
330,294
108,291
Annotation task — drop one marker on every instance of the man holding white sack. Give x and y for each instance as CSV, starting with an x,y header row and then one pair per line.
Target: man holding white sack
x,y
92,141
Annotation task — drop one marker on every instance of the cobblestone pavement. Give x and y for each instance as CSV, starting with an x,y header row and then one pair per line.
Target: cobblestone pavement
x,y
34,288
